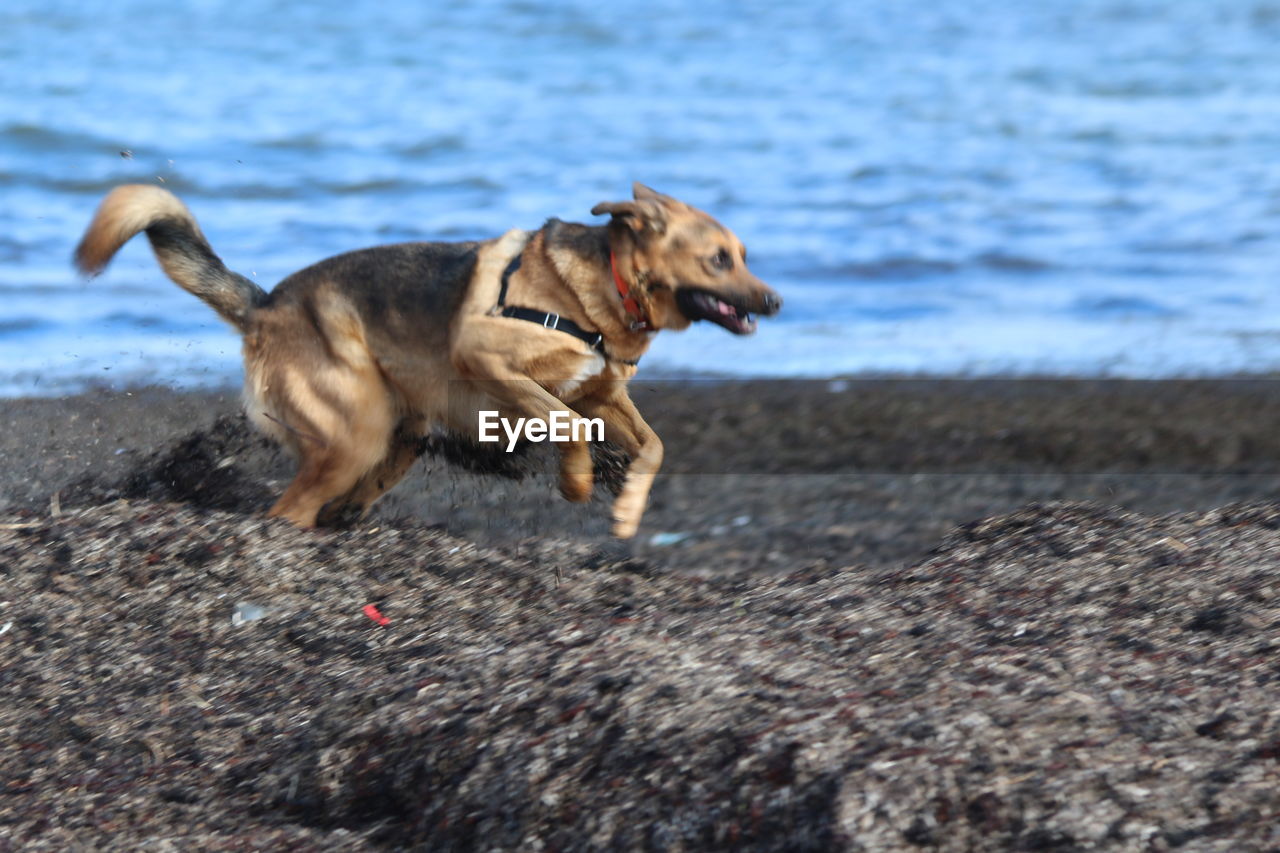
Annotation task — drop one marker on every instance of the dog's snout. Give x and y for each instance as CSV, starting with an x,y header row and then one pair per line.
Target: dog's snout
x,y
772,303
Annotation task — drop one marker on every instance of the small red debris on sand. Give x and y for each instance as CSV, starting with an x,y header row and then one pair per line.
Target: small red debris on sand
x,y
372,612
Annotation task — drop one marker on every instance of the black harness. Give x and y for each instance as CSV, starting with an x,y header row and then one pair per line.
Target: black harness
x,y
547,320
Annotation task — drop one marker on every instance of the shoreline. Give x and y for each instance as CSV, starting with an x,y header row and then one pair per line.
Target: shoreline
x,y
90,386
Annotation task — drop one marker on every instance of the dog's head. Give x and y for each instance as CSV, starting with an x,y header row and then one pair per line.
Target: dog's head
x,y
685,265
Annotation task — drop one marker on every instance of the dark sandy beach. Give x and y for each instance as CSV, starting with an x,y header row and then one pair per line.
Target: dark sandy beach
x,y
859,615
774,475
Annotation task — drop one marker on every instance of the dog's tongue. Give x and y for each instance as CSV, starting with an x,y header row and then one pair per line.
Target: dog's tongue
x,y
721,307
733,319
743,322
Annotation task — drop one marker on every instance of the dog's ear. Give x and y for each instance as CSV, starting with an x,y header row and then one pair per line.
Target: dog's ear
x,y
642,193
639,215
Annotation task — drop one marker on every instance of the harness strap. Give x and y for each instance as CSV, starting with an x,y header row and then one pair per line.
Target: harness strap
x,y
548,320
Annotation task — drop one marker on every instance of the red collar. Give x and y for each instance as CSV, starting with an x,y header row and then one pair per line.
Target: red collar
x,y
640,323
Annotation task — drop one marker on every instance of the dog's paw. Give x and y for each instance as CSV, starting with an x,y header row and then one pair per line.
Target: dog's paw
x,y
339,516
576,488
625,528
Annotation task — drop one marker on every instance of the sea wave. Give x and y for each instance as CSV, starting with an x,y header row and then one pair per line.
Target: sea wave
x,y
12,326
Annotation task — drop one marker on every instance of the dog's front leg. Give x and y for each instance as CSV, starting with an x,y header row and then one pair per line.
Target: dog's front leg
x,y
624,425
519,394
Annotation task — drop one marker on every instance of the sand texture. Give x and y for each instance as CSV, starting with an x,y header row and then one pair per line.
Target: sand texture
x,y
1037,616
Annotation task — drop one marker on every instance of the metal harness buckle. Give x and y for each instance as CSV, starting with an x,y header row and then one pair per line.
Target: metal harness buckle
x,y
551,321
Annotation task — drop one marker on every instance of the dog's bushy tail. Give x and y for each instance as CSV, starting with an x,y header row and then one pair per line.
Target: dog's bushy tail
x,y
182,250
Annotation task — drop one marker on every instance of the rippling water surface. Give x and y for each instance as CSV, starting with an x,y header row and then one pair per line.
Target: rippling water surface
x,y
1067,186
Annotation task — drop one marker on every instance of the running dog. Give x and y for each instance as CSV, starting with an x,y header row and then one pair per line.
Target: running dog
x,y
351,361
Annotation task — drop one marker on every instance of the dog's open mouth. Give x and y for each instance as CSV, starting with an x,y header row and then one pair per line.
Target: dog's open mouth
x,y
704,305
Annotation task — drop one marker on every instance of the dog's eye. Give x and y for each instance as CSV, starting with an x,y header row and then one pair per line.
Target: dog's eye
x,y
722,260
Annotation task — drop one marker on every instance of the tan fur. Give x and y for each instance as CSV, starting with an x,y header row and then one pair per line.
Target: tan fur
x,y
179,245
123,213
350,391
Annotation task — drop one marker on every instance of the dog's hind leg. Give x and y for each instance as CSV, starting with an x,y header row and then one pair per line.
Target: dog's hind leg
x,y
332,463
312,382
405,448
319,479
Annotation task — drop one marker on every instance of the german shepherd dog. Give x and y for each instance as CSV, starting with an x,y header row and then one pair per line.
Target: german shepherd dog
x,y
351,361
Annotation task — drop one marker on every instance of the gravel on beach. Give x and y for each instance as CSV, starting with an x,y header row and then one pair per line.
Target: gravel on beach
x,y
886,616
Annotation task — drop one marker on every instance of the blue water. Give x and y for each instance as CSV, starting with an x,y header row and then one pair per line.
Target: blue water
x,y
1067,186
